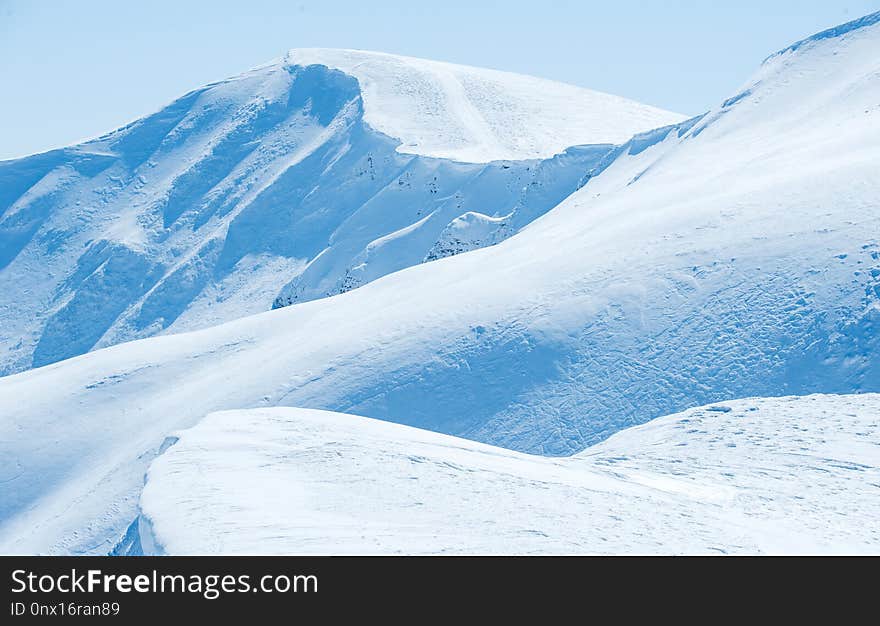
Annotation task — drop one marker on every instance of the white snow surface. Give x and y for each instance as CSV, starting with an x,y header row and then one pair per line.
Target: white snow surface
x,y
795,475
737,257
478,115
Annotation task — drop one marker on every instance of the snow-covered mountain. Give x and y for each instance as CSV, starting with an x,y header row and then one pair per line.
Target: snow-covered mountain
x,y
778,476
737,255
304,178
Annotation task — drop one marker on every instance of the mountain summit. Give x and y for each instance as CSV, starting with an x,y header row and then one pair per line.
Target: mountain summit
x,y
477,115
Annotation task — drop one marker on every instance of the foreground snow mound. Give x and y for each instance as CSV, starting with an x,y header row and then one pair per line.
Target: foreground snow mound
x,y
735,256
478,115
780,476
281,185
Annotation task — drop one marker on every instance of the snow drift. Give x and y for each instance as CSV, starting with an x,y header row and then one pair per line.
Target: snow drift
x,y
759,476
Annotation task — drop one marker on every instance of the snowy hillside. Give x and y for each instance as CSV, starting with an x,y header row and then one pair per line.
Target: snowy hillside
x,y
733,256
779,476
281,185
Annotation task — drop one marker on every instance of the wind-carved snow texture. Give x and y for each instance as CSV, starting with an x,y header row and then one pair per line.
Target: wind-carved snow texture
x,y
204,212
777,476
736,258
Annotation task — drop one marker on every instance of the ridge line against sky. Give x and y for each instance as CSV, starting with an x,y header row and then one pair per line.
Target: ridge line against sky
x,y
78,69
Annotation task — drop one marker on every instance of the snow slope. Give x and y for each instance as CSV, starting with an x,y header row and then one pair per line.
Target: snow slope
x,y
478,115
796,475
275,187
735,256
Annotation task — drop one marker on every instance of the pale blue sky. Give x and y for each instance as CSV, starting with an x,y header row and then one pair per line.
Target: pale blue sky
x,y
72,69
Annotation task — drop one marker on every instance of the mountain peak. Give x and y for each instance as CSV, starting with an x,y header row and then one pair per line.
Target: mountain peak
x,y
478,115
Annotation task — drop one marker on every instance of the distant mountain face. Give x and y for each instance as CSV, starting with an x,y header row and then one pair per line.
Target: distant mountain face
x,y
281,186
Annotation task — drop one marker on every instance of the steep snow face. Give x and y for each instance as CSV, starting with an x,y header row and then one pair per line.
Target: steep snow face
x,y
738,257
409,220
270,188
747,477
478,115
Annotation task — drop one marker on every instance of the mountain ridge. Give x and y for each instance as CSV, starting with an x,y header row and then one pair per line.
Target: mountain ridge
x,y
830,33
